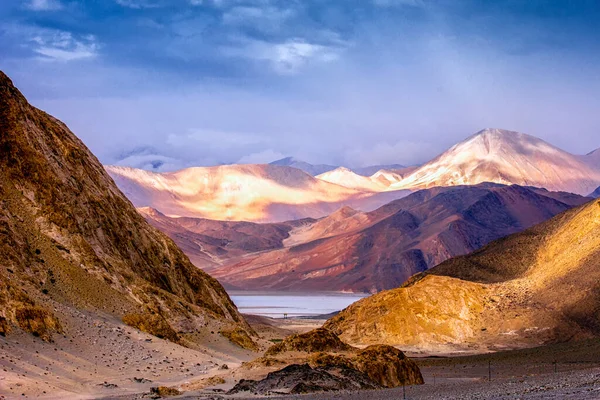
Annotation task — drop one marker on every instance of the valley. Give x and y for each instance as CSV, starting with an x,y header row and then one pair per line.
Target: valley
x,y
253,280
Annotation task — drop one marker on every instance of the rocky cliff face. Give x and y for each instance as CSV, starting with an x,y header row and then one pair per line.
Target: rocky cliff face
x,y
531,288
68,236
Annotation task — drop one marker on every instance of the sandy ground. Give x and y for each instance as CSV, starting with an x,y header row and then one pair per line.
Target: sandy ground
x,y
104,357
106,360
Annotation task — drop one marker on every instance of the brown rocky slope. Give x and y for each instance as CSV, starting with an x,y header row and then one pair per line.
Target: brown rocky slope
x,y
319,361
535,287
369,252
69,236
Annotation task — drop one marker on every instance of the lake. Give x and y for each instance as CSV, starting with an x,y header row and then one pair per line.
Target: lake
x,y
276,304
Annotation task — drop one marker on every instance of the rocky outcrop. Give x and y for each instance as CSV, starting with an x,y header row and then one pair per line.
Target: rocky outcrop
x,y
68,236
318,360
317,340
301,378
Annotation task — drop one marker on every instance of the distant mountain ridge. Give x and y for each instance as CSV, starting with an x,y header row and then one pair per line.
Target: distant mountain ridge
x,y
317,169
245,192
311,169
378,250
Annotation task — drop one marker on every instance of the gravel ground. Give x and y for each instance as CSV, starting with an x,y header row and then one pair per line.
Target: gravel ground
x,y
582,385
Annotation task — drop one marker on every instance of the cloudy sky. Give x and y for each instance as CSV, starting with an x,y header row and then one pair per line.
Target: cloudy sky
x,y
165,84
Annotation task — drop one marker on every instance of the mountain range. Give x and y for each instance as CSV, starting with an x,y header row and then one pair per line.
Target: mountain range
x,y
317,169
368,252
281,191
259,193
530,288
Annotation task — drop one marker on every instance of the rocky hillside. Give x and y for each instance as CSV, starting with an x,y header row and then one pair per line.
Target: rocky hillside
x,y
211,242
534,287
70,238
369,252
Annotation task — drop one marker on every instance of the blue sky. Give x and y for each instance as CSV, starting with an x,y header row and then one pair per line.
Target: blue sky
x,y
165,84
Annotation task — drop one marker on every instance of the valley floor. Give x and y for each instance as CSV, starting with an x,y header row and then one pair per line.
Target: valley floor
x,y
104,353
563,371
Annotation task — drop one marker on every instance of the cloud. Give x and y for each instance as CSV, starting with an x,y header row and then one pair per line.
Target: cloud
x,y
152,162
44,5
261,157
397,3
408,152
56,45
266,18
139,4
285,58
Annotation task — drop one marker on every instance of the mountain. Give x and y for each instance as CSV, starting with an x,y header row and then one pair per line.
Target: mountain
x,y
595,194
344,177
73,246
311,169
387,177
317,169
531,288
496,155
258,193
593,158
378,250
207,241
371,169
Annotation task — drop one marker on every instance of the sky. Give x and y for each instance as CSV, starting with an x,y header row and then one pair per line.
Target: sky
x,y
168,84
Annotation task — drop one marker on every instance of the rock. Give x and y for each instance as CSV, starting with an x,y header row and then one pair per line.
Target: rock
x,y
317,340
387,366
301,378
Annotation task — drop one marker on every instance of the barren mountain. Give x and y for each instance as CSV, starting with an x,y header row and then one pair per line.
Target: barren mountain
x,y
347,178
387,177
70,240
317,169
368,252
496,155
595,194
259,193
530,288
207,241
372,169
593,158
311,169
